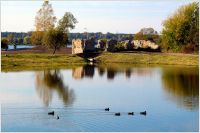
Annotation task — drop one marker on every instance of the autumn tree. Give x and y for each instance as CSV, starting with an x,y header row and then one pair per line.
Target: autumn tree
x,y
36,38
45,18
181,30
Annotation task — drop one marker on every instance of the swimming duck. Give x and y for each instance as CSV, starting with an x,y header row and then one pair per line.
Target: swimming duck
x,y
130,113
143,113
107,109
117,114
58,117
51,113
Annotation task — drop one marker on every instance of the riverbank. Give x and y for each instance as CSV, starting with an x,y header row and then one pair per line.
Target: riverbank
x,y
20,62
151,58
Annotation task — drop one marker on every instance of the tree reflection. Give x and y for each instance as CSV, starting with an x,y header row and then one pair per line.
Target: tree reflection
x,y
183,86
49,81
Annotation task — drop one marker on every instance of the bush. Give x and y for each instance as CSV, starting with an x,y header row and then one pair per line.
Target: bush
x,y
120,46
36,37
4,44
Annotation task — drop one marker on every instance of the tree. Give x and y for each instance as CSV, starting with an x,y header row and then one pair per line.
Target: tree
x,y
4,44
57,37
27,40
182,28
54,39
67,22
147,37
10,39
36,38
16,41
45,18
20,41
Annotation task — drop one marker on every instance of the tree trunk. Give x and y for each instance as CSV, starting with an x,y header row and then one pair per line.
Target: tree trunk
x,y
54,51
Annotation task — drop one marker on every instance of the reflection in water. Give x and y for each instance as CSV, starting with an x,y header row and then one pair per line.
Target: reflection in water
x,y
101,71
49,81
111,71
77,72
182,85
83,71
128,73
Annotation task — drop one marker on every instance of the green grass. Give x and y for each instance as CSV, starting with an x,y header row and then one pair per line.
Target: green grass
x,y
21,62
150,58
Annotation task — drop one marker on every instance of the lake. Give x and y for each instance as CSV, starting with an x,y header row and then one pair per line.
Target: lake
x,y
11,47
169,95
22,46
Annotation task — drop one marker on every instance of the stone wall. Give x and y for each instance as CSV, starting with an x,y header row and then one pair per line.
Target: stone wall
x,y
80,46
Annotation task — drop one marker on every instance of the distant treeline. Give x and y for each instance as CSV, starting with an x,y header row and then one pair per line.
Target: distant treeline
x,y
97,35
15,34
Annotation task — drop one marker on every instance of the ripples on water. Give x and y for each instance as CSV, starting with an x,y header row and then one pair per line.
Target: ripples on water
x,y
79,95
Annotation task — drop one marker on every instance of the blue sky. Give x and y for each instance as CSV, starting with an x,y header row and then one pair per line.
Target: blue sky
x,y
95,16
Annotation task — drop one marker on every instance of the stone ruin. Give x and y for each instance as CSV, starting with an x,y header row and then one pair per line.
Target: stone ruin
x,y
80,46
144,44
101,45
77,46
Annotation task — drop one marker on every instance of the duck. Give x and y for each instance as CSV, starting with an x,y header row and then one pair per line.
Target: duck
x,y
130,113
143,113
51,113
107,109
58,117
117,114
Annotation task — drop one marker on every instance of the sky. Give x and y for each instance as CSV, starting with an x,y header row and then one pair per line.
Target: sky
x,y
93,16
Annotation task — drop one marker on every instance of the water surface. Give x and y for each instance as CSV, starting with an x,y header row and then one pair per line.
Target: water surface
x,y
12,47
169,94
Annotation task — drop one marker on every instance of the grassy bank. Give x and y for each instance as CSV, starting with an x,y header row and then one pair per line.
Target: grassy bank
x,y
150,58
18,62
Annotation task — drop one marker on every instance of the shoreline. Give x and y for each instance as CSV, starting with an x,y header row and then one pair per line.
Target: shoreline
x,y
24,61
